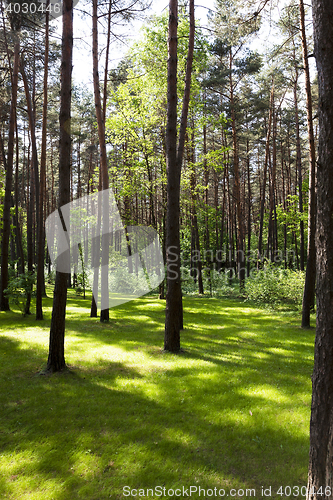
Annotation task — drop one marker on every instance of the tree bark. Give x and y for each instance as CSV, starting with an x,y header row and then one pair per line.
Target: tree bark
x,y
34,184
240,222
262,206
103,162
56,359
310,276
174,307
321,424
40,239
4,303
173,296
299,170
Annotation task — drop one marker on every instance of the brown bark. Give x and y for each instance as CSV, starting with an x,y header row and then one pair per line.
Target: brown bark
x,y
240,232
321,424
20,253
103,159
34,184
40,250
196,264
249,206
262,205
299,171
173,296
310,276
174,307
56,359
4,303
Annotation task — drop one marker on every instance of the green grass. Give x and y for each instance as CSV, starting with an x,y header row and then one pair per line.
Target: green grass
x,y
231,411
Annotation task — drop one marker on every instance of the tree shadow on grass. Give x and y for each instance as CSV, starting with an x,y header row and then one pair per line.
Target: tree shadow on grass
x,y
84,436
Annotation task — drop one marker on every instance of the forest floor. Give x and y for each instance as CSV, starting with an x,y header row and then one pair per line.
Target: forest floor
x,y
230,412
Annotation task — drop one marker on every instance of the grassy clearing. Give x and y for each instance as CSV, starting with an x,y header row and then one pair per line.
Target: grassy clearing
x,y
231,411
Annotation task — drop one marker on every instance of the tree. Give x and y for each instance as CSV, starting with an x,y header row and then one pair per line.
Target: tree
x,y
310,277
40,239
174,309
234,31
56,358
103,158
320,478
4,304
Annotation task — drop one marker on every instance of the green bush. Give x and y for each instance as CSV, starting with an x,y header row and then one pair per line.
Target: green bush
x,y
18,289
275,286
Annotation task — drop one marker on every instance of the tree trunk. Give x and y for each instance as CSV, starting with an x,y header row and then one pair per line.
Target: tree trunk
x,y
174,307
4,303
262,206
40,239
197,263
299,171
103,162
310,276
321,424
18,231
56,359
34,184
173,296
249,202
240,246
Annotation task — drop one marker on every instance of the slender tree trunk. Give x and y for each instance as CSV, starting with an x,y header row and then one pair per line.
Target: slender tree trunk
x,y
249,209
173,296
40,239
195,231
103,162
56,359
20,252
4,304
299,171
34,184
262,206
174,306
240,237
310,276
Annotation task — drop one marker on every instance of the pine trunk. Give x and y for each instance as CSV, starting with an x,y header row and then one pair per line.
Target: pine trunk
x,y
41,242
310,276
4,303
173,296
56,359
262,206
103,162
321,424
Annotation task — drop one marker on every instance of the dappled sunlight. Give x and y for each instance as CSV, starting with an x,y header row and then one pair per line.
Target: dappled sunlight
x,y
233,405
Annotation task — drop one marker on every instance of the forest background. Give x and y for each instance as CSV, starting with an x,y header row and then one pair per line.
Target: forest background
x,y
245,160
245,175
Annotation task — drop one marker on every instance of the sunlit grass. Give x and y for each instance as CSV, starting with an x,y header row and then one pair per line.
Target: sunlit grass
x,y
231,411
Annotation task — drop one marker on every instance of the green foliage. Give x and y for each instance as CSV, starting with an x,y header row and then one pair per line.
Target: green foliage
x,y
19,288
81,277
275,286
291,217
137,108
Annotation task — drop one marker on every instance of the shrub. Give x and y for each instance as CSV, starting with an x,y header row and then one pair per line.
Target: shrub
x,y
275,286
18,289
